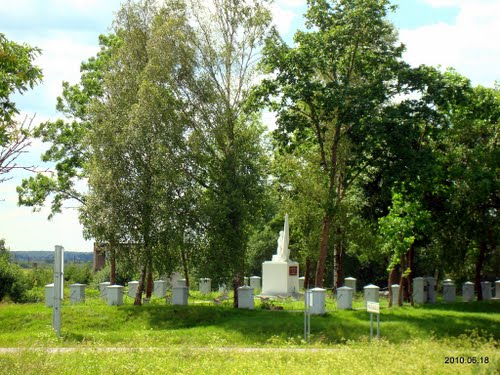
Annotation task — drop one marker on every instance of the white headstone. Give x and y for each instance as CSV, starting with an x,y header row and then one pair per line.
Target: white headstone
x,y
419,293
497,289
181,282
255,282
344,298
180,295
395,294
280,276
351,283
467,291
172,279
431,285
371,293
223,289
302,280
486,289
103,289
76,293
245,298
205,286
115,295
160,288
132,288
318,301
449,291
49,295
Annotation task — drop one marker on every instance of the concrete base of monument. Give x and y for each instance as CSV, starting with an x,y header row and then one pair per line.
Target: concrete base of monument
x,y
280,278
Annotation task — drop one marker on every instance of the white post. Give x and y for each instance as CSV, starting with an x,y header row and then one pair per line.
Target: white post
x,y
351,283
371,293
486,289
180,295
467,291
255,282
160,288
58,288
449,291
318,300
344,298
245,297
395,294
205,286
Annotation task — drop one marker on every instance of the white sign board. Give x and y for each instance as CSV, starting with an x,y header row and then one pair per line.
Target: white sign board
x,y
373,307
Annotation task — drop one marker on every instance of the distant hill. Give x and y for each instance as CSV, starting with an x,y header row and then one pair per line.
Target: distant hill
x,y
48,256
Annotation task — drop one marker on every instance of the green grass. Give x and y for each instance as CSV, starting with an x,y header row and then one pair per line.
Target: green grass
x,y
174,338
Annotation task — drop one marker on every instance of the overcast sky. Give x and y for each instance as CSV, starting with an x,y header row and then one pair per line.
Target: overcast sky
x,y
462,34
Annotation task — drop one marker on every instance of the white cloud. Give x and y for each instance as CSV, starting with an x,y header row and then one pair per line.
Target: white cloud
x,y
469,45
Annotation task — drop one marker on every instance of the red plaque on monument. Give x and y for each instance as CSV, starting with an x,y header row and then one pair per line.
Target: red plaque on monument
x,y
292,271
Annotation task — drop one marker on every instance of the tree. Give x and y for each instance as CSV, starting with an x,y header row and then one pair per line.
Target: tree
x,y
227,158
17,74
329,92
68,150
469,225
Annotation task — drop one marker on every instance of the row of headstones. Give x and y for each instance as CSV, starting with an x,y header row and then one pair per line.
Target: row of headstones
x,y
424,291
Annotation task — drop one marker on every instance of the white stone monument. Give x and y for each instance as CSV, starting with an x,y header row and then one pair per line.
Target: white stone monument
x,y
115,295
181,282
395,294
103,289
344,298
280,276
160,288
223,289
172,279
180,295
205,286
317,301
467,291
255,282
351,283
371,293
486,289
245,297
449,291
132,288
419,292
49,295
76,293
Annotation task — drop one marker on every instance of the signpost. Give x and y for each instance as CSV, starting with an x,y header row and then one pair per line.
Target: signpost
x,y
58,288
374,308
307,315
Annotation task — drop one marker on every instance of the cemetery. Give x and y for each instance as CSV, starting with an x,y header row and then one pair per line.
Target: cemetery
x,y
261,187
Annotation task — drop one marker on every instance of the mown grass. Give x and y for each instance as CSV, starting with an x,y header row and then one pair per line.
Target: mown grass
x,y
414,339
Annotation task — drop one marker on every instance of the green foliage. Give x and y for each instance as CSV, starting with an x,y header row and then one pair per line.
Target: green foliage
x,y
17,74
78,273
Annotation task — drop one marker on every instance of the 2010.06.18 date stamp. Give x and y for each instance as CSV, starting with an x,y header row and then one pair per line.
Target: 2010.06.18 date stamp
x,y
463,360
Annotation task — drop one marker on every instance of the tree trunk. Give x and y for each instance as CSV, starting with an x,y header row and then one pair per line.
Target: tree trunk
x,y
236,284
307,274
339,260
393,276
479,269
402,281
149,282
323,248
140,287
411,260
185,264
112,263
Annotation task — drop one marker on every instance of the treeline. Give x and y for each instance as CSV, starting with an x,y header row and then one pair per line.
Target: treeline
x,y
42,256
385,168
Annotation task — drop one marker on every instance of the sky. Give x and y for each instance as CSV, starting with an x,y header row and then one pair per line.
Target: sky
x,y
462,34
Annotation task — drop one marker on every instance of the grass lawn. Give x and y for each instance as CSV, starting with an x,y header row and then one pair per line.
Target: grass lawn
x,y
207,339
